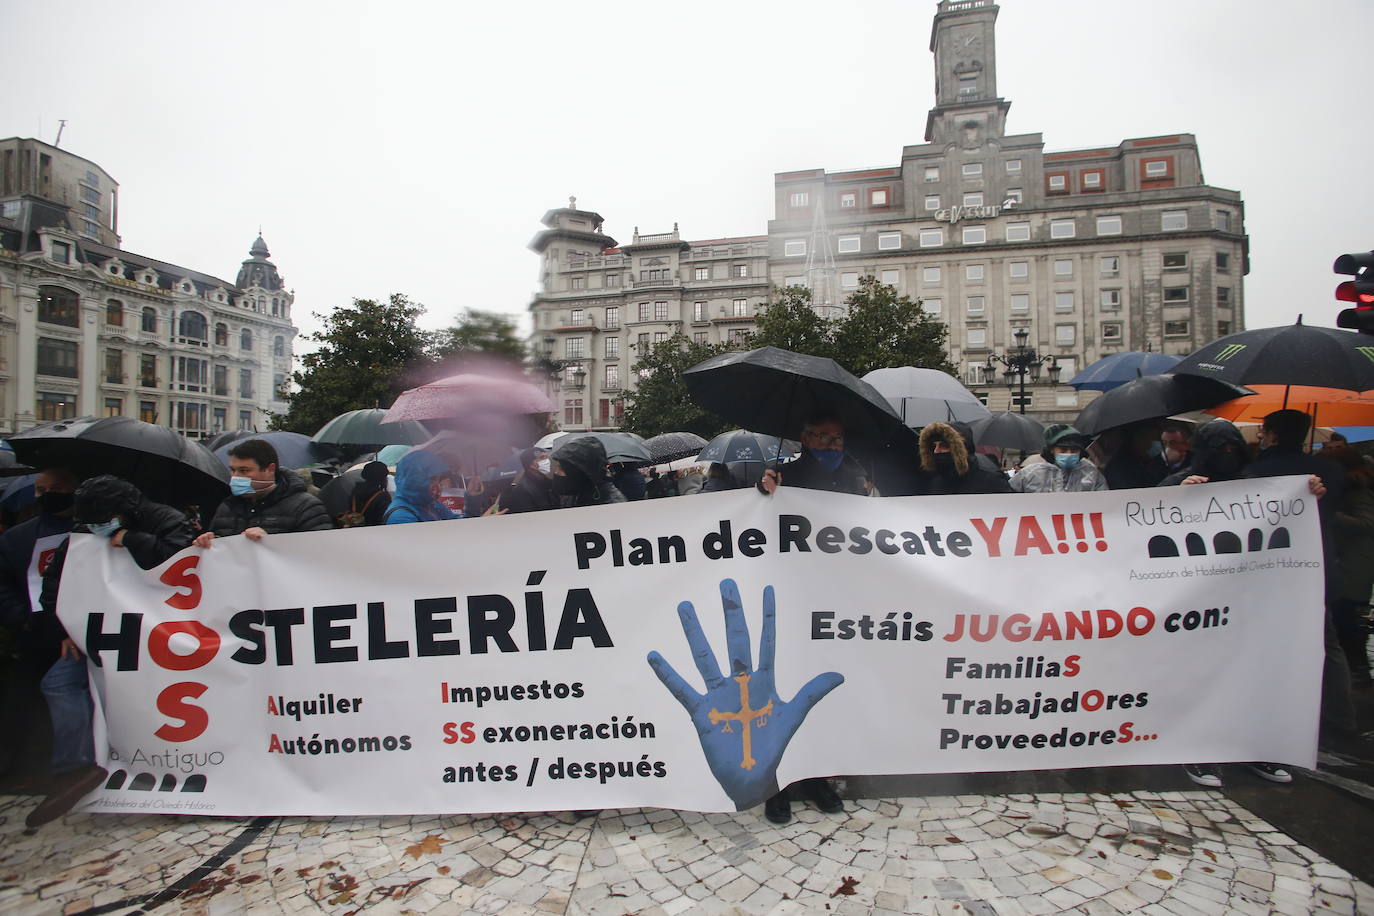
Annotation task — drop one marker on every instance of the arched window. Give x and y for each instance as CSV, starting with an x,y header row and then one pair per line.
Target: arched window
x,y
114,313
58,306
279,346
246,339
149,319
222,334
193,325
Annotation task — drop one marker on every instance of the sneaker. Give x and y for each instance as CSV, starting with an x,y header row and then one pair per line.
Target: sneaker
x,y
778,809
1271,771
1203,775
69,789
822,794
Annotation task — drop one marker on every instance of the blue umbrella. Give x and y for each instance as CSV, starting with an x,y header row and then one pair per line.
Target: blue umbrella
x,y
1356,433
17,492
1119,368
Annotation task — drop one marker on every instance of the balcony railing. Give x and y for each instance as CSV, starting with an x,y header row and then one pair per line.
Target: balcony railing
x,y
666,281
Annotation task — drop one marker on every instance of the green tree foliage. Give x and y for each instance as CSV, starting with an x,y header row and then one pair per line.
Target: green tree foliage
x,y
884,329
660,403
366,352
790,323
479,332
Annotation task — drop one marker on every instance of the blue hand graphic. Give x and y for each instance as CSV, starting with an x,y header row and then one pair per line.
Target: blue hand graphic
x,y
743,725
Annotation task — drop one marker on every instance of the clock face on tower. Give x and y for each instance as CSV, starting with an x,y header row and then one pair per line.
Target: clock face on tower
x,y
967,44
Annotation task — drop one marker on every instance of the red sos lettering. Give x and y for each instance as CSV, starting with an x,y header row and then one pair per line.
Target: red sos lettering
x,y
173,701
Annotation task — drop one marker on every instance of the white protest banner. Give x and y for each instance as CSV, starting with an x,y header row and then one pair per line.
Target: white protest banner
x,y
700,652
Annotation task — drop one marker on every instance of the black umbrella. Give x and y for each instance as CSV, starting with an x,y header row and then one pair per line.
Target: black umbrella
x,y
1152,396
1295,354
365,427
337,492
741,446
294,450
165,465
1010,430
667,447
229,435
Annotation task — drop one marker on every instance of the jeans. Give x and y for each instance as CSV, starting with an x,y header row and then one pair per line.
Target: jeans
x,y
68,693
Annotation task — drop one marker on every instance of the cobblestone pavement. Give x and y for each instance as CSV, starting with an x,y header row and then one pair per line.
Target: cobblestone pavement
x,y
1168,853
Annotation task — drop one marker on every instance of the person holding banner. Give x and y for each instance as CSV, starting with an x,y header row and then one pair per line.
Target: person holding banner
x,y
580,477
532,489
264,499
151,533
950,464
1065,469
420,476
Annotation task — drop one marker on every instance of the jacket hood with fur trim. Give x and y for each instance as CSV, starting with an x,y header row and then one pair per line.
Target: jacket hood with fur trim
x,y
959,438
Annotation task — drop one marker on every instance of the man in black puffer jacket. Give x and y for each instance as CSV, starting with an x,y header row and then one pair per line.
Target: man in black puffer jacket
x,y
265,500
579,474
949,463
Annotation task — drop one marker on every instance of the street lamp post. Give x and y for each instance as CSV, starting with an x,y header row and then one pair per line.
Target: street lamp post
x,y
1020,361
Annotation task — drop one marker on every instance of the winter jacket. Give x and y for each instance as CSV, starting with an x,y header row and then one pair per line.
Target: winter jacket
x,y
1354,528
1048,477
1218,453
371,498
583,460
529,493
287,507
413,502
16,557
630,482
807,472
969,474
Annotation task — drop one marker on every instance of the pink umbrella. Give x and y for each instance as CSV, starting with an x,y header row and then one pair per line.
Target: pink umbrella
x,y
469,395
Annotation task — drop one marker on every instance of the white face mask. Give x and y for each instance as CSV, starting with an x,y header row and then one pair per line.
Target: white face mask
x,y
545,466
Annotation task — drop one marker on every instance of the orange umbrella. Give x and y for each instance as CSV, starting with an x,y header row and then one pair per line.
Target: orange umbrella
x,y
1326,406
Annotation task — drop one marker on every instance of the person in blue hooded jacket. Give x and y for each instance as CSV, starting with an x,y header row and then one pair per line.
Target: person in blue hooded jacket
x,y
418,476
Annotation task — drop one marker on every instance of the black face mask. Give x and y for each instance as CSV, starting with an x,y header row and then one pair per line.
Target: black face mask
x,y
564,485
944,464
51,503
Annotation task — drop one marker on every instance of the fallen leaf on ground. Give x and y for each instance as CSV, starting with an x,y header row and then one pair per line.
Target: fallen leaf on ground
x,y
847,885
431,843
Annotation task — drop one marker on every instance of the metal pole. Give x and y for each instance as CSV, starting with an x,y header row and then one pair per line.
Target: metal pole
x,y
1022,369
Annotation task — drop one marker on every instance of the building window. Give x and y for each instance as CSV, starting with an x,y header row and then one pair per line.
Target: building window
x,y
279,346
1178,328
794,248
660,311
611,377
740,308
972,170
149,322
579,318
612,347
192,374
114,313
977,338
930,275
849,200
147,411
574,348
246,340
1062,229
739,337
147,371
58,306
1020,303
245,383
1058,183
192,325
1091,180
701,273
698,311
1223,295
1064,335
1018,232
1223,262
1173,220
847,244
578,282
1109,225
932,201
572,411
1018,270
642,344
975,306
643,311
57,357
968,84
889,241
973,198
1013,166
61,252
1175,294
221,421
220,384
932,238
975,235
891,278
660,273
932,173
799,199
1063,268
699,337
245,419
1109,300
878,197
793,281
1063,302
55,406
933,306
974,272
849,280
114,367
278,386
1157,168
1176,260
739,271
1224,220
1111,332
1015,195
1223,327
660,337
221,334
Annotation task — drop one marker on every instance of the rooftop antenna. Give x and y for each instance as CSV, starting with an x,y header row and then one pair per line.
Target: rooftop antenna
x,y
61,123
820,264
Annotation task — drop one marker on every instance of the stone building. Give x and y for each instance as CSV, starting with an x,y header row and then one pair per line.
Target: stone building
x,y
1090,251
88,328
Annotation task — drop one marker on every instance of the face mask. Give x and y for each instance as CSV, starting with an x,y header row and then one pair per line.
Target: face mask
x,y
827,458
240,486
1067,461
545,466
104,529
944,464
52,503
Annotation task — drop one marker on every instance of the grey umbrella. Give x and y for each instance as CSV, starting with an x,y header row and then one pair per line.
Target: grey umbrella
x,y
923,396
1010,430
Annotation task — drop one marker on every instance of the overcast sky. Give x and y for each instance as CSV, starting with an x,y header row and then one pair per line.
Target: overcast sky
x,y
412,147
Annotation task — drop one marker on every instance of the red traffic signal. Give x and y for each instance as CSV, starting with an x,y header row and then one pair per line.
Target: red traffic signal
x,y
1359,291
1350,291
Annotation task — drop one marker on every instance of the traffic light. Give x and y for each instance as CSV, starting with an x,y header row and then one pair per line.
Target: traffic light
x,y
1359,291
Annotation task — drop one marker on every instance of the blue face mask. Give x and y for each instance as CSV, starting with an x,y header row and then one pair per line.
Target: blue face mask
x,y
828,458
104,529
1066,461
240,486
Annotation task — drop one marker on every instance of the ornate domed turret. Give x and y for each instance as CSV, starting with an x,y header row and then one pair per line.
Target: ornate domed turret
x,y
257,272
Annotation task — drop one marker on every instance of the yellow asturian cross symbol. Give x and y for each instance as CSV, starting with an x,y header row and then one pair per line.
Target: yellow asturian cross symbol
x,y
748,718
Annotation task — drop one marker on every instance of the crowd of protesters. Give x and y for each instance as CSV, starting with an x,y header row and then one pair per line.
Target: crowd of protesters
x,y
266,500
